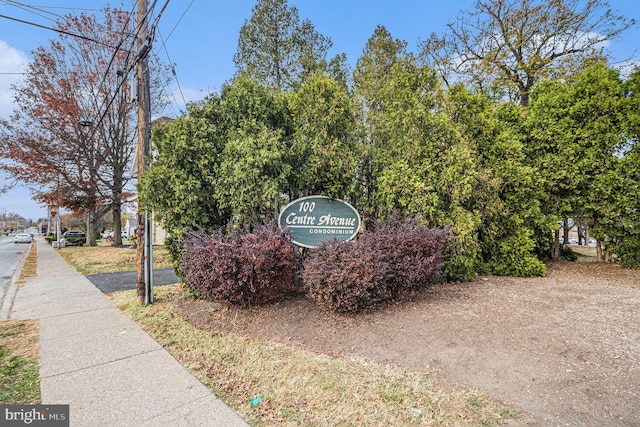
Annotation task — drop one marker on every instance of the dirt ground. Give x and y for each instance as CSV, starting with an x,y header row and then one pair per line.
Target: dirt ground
x,y
564,349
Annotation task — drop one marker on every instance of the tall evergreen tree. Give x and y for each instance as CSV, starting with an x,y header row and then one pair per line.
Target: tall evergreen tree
x,y
370,76
576,134
277,50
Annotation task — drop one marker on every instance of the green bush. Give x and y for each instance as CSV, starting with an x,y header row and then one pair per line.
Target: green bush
x,y
567,254
629,252
514,256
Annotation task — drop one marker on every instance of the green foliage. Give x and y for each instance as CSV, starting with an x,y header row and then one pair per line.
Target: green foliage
x,y
629,252
427,166
508,194
252,175
628,191
277,50
322,153
370,76
577,142
19,375
567,254
180,183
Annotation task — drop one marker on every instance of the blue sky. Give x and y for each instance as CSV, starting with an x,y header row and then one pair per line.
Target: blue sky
x,y
201,37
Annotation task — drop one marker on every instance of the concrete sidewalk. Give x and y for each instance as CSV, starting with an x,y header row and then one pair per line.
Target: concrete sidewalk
x,y
100,362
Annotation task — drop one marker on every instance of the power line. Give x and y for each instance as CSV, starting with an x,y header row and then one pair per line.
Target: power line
x,y
57,30
42,8
179,20
31,9
113,57
173,68
164,46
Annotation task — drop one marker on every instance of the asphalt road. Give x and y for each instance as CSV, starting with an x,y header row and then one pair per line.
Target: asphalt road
x,y
10,255
126,280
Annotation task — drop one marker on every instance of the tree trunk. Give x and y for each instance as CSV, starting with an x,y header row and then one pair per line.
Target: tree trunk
x,y
555,251
116,216
565,231
92,227
599,254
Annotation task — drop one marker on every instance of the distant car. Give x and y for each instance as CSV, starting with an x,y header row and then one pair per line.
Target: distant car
x,y
74,238
22,238
124,233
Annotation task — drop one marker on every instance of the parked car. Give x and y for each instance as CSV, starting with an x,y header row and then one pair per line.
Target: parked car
x,y
22,238
74,238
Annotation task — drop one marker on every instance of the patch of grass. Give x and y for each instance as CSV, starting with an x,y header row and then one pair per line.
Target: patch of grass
x,y
30,267
585,253
108,259
19,375
300,387
506,413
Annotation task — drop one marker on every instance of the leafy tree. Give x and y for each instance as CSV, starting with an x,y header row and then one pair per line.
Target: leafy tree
x,y
428,168
181,182
252,174
322,151
277,50
505,46
70,83
372,70
626,185
507,195
371,74
575,140
632,146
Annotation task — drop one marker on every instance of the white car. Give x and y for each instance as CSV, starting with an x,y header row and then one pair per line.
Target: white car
x,y
22,238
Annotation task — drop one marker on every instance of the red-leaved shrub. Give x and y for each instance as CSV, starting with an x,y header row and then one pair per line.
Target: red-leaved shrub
x,y
244,269
381,265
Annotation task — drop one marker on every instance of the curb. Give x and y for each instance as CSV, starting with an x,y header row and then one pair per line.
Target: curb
x,y
9,296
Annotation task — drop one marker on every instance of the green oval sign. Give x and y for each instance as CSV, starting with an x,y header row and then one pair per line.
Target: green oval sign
x,y
316,219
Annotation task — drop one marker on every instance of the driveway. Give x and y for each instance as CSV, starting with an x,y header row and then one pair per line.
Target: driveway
x,y
126,280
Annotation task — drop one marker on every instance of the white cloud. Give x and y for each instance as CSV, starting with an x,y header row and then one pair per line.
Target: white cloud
x,y
11,61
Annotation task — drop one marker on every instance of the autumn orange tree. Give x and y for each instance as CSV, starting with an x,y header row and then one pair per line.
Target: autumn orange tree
x,y
71,136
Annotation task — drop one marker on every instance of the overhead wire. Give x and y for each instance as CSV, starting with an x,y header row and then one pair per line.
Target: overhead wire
x,y
58,30
141,24
113,57
30,8
173,68
164,46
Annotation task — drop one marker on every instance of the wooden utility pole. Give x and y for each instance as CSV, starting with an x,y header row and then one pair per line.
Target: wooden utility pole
x,y
143,271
